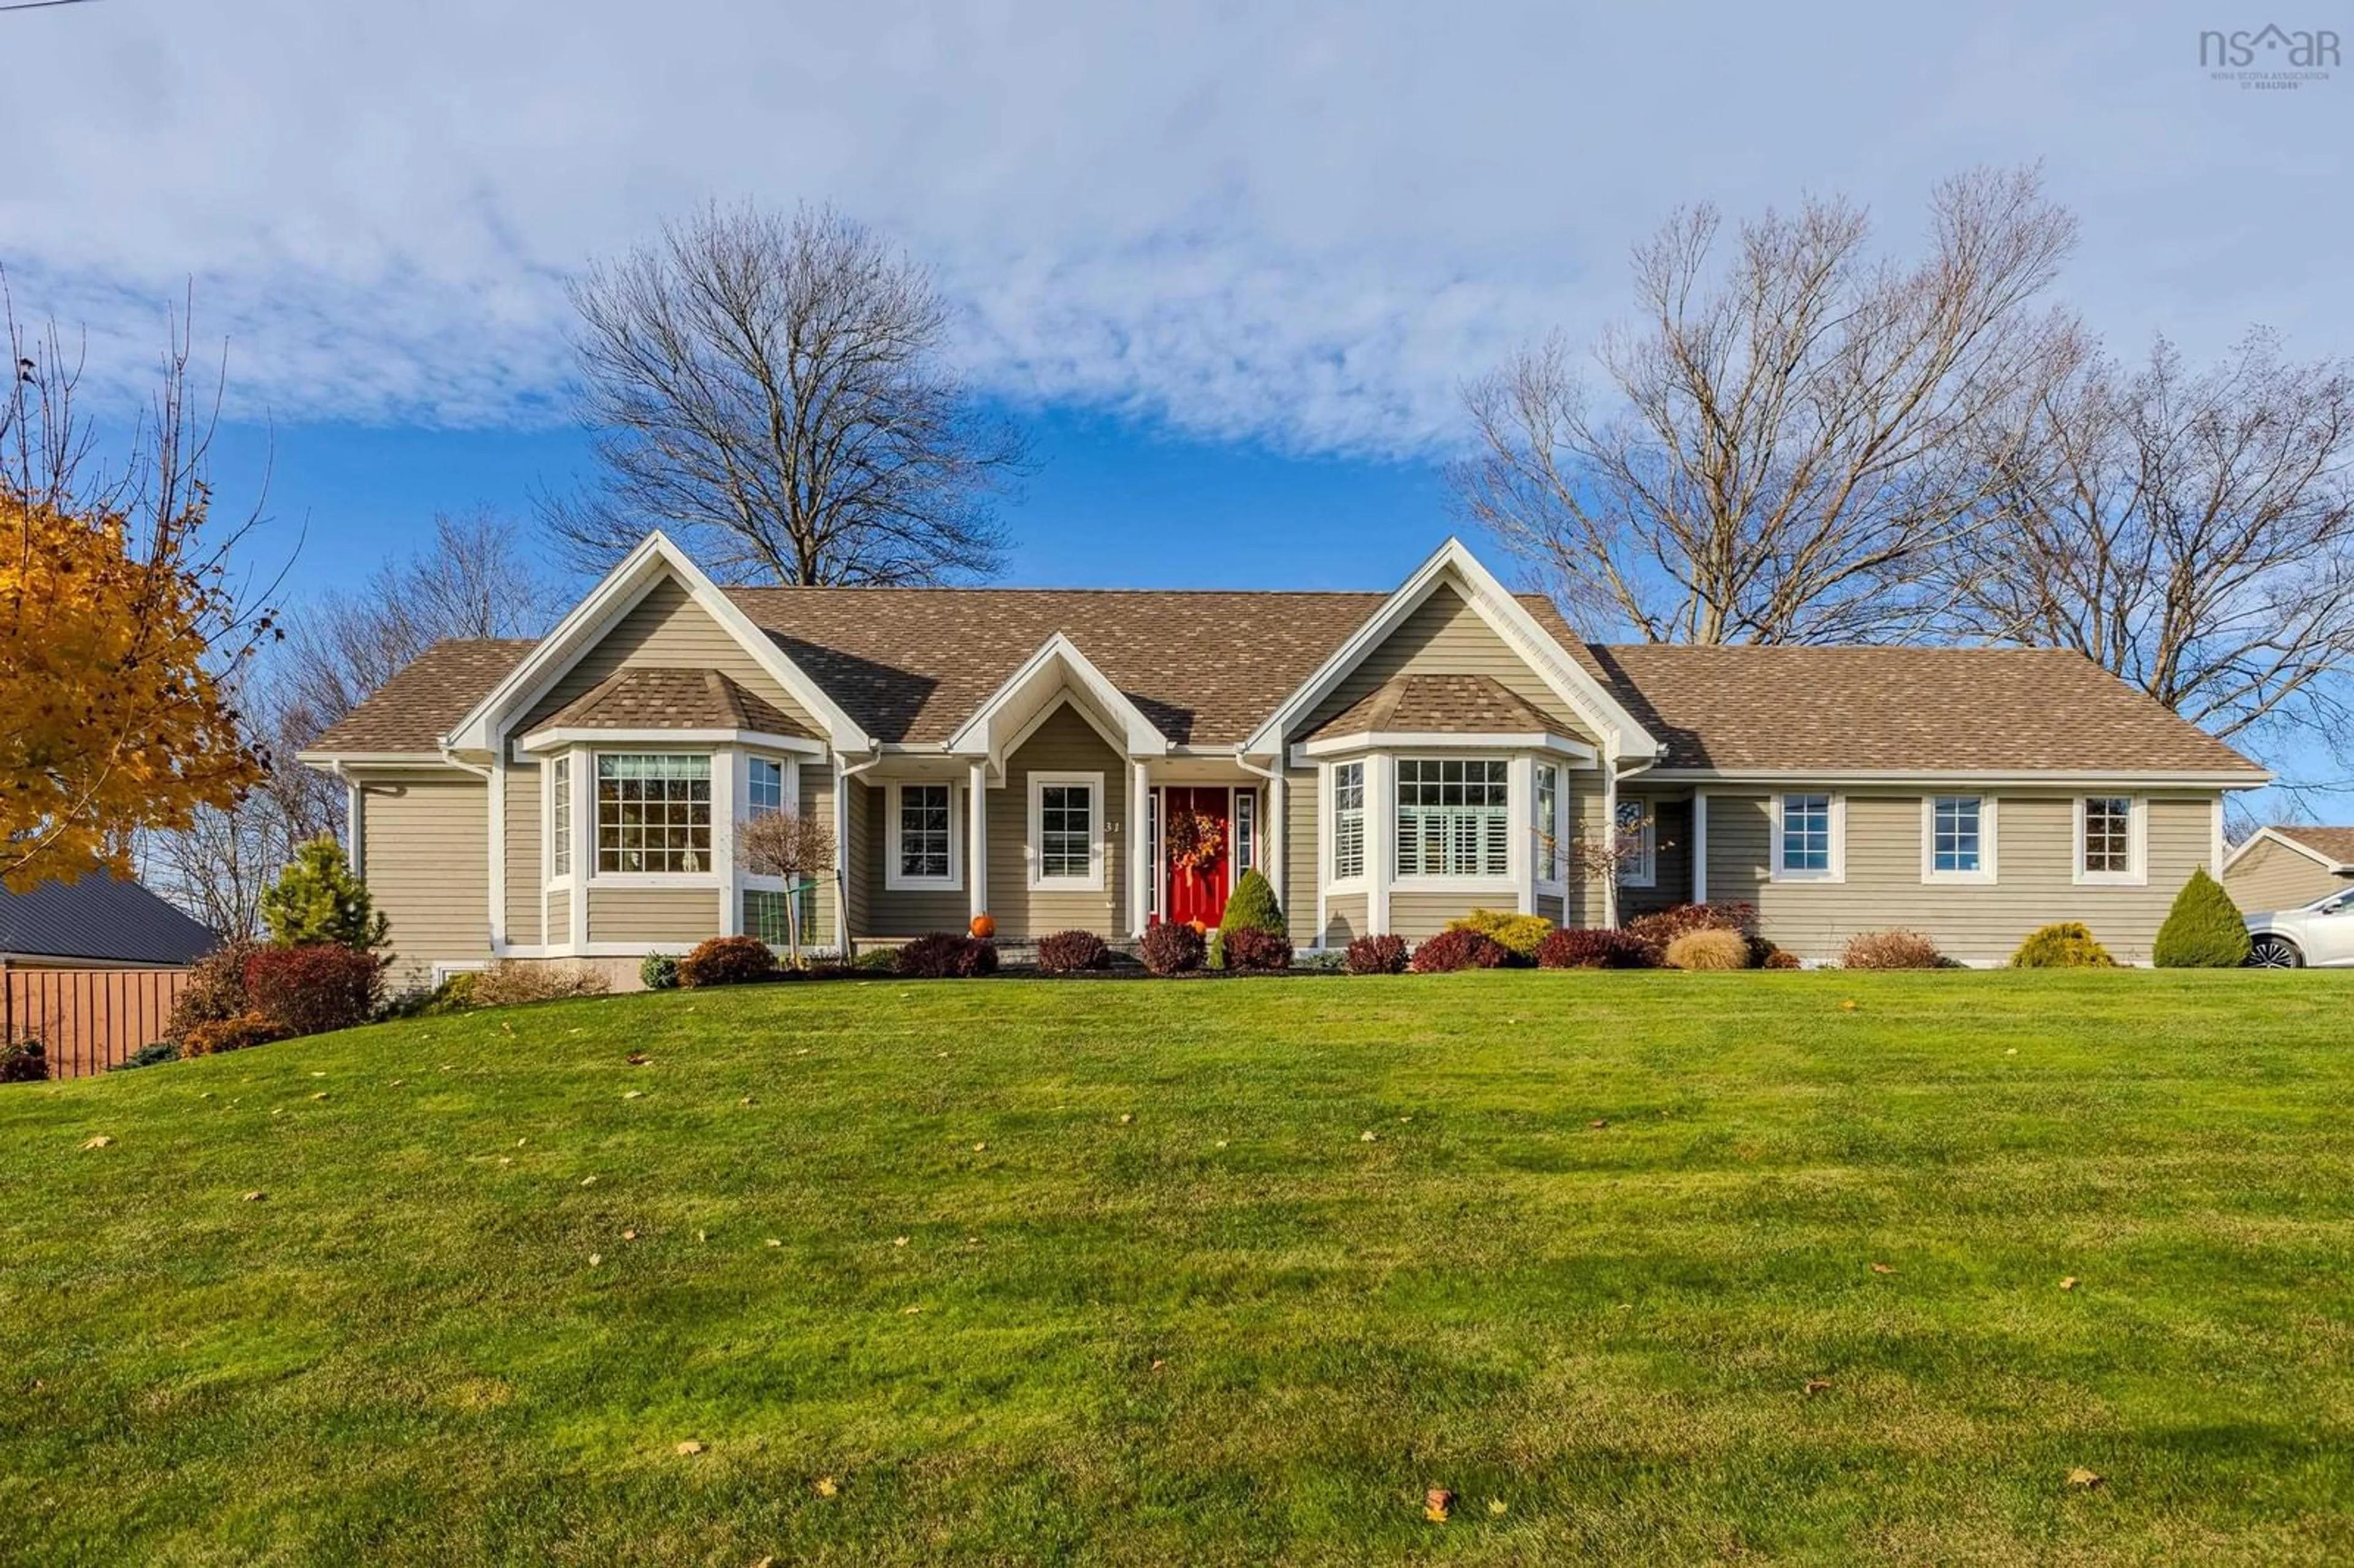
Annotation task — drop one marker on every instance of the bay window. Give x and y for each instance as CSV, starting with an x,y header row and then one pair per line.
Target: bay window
x,y
764,787
1454,816
653,813
1551,863
1348,821
559,817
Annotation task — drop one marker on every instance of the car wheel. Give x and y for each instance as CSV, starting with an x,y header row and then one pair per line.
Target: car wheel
x,y
2270,952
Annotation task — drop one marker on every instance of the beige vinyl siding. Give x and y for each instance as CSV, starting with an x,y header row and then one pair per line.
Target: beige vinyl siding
x,y
560,918
861,870
1344,919
816,786
425,841
1302,846
1446,636
2274,876
1588,897
2035,851
1550,906
910,912
665,629
1064,744
1417,916
523,839
665,916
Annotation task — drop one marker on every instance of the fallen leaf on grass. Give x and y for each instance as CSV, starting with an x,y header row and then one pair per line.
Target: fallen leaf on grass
x,y
638,1058
911,1311
1157,1365
318,1075
1816,1386
1368,1136
253,1197
774,1241
506,1158
2081,1477
1599,1122
1126,1118
1496,1505
396,1083
629,1236
99,1141
898,1241
2069,1283
689,1448
595,1258
320,1096
1847,1006
1882,1269
744,1101
979,1147
635,1095
588,1180
1437,1503
826,1487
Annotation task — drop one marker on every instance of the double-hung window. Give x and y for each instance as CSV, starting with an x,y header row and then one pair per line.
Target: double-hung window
x,y
2109,842
653,813
1067,831
764,787
1957,839
923,846
1348,821
1454,816
1551,863
1639,845
1805,838
560,817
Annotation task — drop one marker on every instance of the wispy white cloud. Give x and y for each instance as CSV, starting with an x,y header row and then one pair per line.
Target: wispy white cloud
x,y
1302,224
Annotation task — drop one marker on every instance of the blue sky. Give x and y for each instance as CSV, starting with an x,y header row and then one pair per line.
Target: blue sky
x,y
1230,261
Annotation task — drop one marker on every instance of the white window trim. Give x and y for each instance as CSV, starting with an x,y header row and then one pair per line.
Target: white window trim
x,y
1838,872
1329,817
1516,808
2137,871
1643,871
1245,846
895,880
721,869
1031,850
1989,813
1558,827
547,795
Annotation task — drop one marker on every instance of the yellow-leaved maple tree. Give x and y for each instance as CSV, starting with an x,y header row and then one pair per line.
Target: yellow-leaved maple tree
x,y
113,717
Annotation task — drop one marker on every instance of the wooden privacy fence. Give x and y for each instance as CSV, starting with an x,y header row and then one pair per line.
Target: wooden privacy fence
x,y
89,1019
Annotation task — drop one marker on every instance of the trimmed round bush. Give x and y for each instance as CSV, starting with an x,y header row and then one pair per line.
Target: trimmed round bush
x,y
212,1038
726,960
2064,945
1891,950
1251,906
2204,930
1661,926
659,971
1594,947
1456,949
947,954
1518,935
1172,948
1377,955
314,987
1068,952
1249,949
1709,949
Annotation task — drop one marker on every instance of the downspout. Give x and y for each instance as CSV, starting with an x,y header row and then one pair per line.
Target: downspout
x,y
1278,828
842,775
1610,819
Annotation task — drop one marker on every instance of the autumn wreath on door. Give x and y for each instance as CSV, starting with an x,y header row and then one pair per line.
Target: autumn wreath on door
x,y
1193,840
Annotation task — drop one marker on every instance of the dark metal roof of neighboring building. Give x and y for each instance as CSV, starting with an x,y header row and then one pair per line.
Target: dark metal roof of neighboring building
x,y
100,919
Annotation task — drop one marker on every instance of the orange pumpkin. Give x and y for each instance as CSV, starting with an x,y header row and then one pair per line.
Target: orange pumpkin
x,y
985,927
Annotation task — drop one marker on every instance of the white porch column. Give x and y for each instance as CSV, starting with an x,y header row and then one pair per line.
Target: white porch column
x,y
1380,835
844,871
976,836
1611,835
1519,857
1277,831
1139,850
582,780
1700,847
727,767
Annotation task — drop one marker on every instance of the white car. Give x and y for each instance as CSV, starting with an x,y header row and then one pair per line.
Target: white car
x,y
2320,934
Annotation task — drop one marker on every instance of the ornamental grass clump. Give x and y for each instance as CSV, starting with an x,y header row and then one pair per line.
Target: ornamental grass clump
x,y
2205,931
2064,945
1662,926
1891,950
1713,949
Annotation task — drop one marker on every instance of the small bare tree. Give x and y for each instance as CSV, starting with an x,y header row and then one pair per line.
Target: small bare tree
x,y
2191,532
1780,454
772,389
787,844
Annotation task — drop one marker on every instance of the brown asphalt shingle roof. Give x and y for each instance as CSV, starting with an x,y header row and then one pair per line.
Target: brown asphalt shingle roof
x,y
2337,843
909,665
411,712
650,697
1437,704
1901,709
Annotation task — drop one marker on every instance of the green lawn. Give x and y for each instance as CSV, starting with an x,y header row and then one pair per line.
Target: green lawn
x,y
922,1292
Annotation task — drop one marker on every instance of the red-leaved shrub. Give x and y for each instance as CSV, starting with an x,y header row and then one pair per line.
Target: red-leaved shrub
x,y
1459,949
314,987
948,955
1377,955
1594,947
216,990
215,1035
1172,948
1249,949
1765,955
1891,950
1068,952
1661,926
727,960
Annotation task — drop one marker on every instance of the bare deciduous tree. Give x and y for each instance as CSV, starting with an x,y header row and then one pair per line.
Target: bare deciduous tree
x,y
2191,531
787,844
1779,452
772,388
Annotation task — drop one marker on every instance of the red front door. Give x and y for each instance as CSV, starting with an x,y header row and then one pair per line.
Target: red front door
x,y
1195,892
